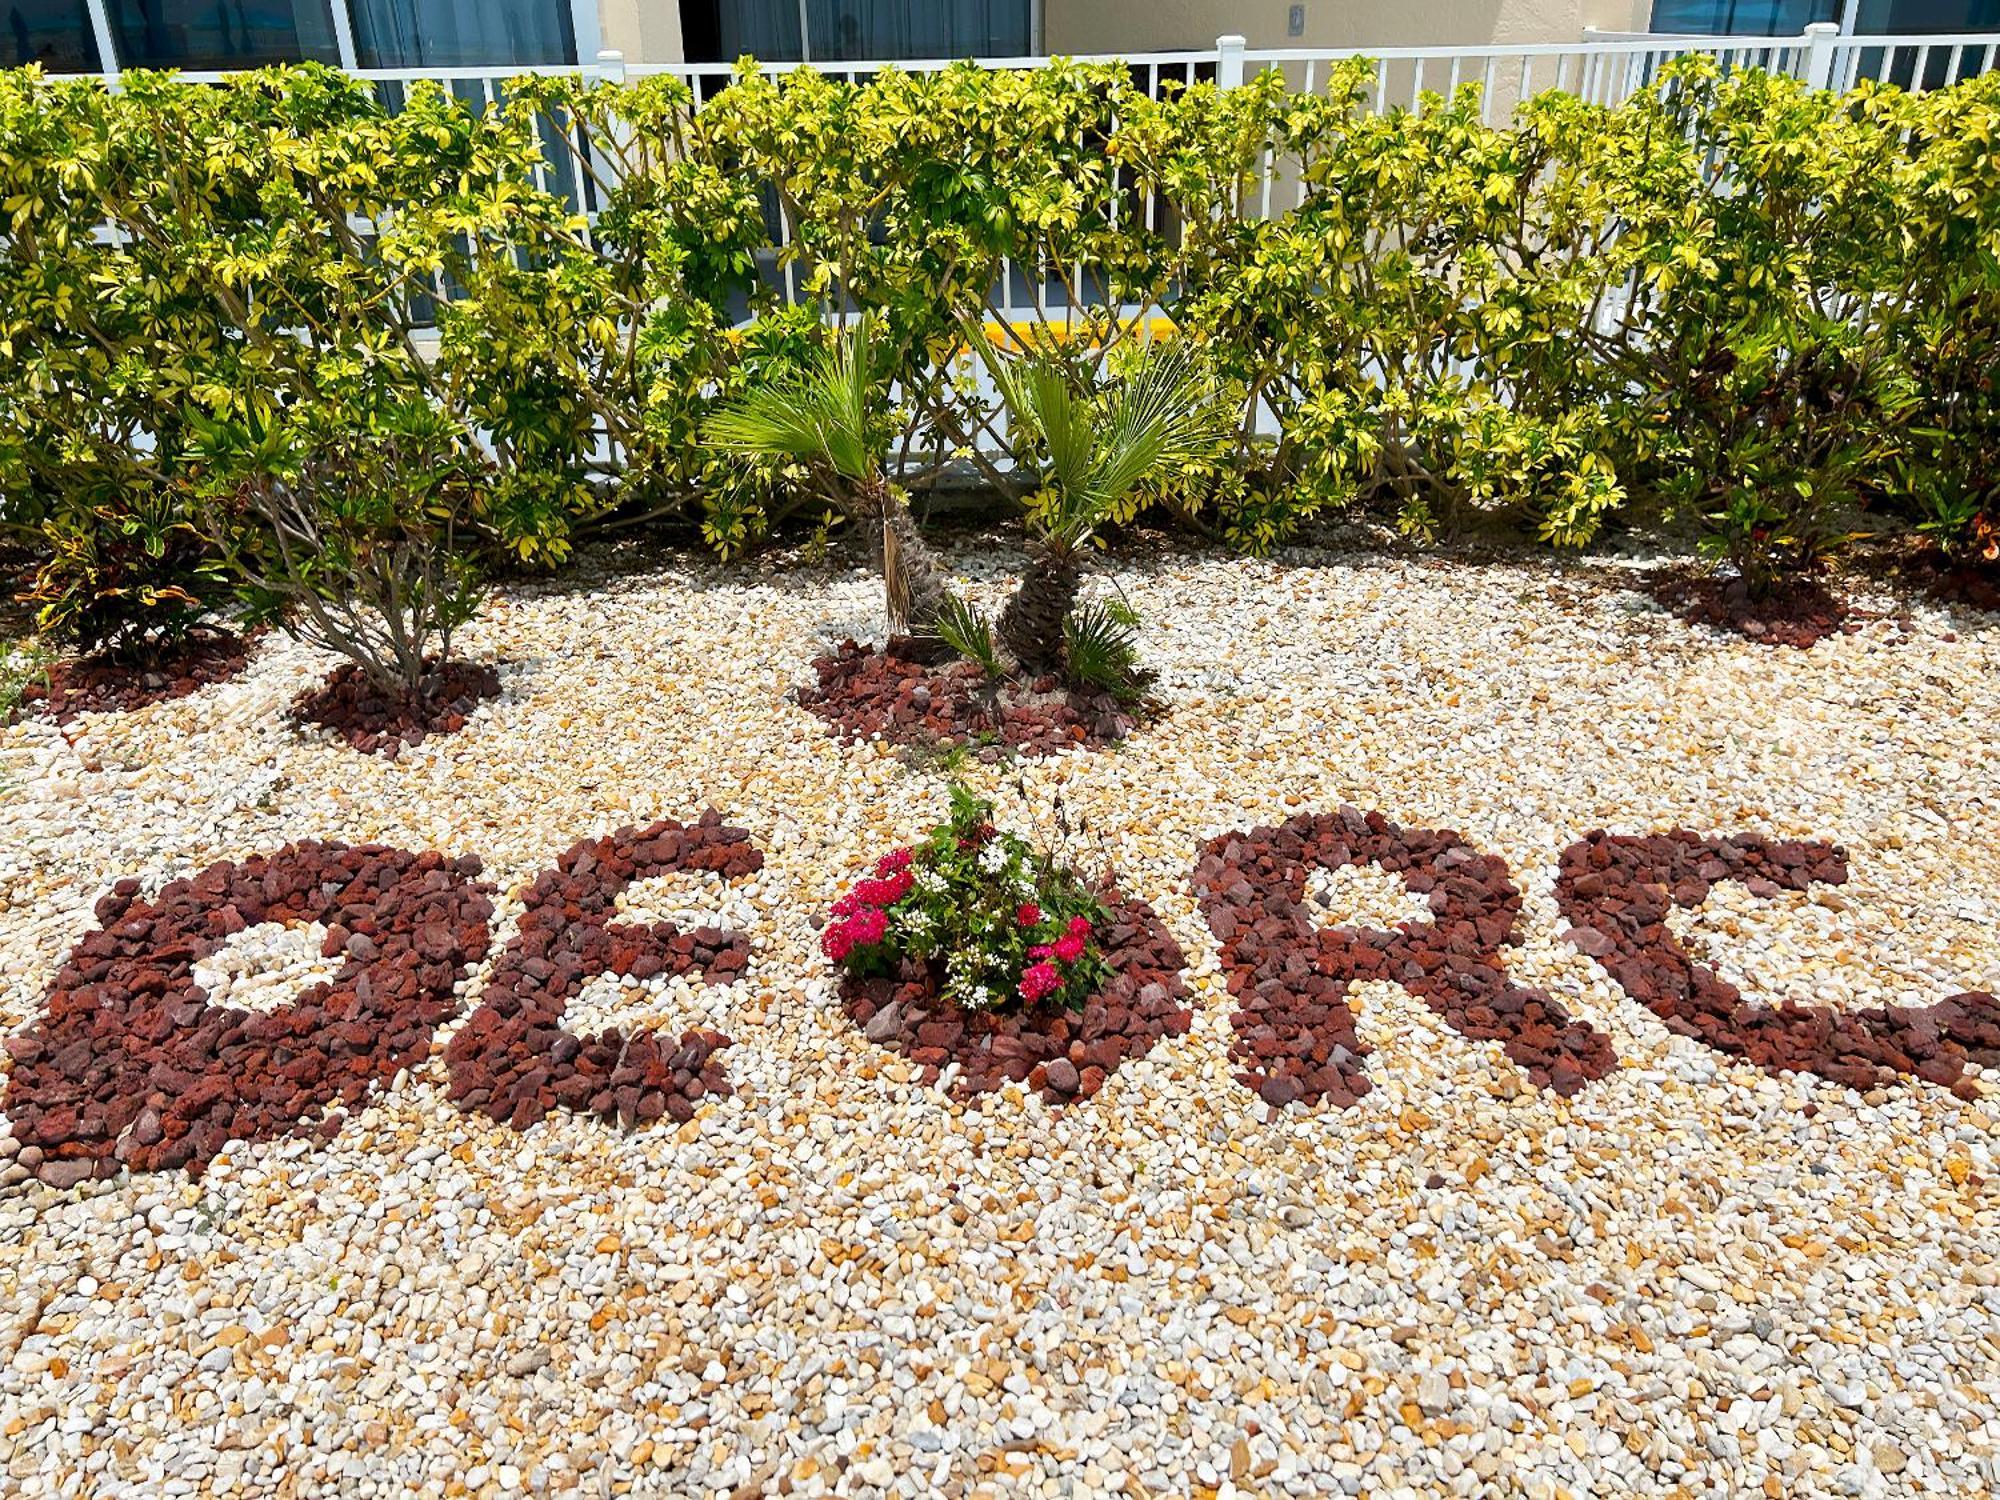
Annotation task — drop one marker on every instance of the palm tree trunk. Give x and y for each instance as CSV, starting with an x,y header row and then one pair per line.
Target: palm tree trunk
x,y
1031,626
912,577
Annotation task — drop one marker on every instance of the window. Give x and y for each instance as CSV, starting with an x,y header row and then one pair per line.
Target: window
x,y
854,30
1790,17
54,33
1741,17
463,33
205,34
1902,17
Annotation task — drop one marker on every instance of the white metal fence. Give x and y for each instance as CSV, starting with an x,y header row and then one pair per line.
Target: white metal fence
x,y
1601,66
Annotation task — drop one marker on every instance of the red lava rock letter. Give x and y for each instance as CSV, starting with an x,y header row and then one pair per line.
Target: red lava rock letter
x,y
515,1061
1616,891
130,1063
1294,1031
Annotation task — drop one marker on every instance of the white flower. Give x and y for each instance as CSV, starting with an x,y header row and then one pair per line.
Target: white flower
x,y
993,859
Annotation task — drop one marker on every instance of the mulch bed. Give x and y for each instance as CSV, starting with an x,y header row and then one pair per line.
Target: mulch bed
x,y
120,682
896,695
1063,1055
379,723
1295,1034
1976,585
1800,616
129,1064
515,1061
1616,892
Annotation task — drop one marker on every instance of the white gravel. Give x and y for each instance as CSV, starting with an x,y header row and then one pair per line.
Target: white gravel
x,y
1677,1283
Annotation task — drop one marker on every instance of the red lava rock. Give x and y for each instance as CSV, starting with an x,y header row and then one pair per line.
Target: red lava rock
x,y
1295,1036
377,723
1616,891
119,683
129,1063
1975,584
894,694
1801,615
513,1060
1063,1054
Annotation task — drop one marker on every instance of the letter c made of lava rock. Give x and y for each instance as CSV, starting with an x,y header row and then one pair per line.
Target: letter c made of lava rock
x,y
1295,1037
1616,890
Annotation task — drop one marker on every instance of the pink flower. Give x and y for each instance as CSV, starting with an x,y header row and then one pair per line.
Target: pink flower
x,y
1028,914
1042,950
1069,947
1078,927
884,892
1039,980
846,906
869,926
890,863
836,944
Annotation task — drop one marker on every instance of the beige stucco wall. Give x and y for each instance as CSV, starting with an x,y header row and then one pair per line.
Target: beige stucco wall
x,y
650,30
644,30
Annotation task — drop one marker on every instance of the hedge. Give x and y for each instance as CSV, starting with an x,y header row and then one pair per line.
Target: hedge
x,y
1732,294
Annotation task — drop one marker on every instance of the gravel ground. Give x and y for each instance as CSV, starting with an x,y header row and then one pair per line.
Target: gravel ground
x,y
1691,1279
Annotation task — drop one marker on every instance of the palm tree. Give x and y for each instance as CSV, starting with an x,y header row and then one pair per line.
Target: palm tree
x,y
1091,453
820,416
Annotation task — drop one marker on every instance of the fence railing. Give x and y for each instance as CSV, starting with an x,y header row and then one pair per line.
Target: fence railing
x,y
1602,66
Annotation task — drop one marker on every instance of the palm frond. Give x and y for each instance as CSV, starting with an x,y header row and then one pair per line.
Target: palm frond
x,y
970,634
818,415
1164,413
1101,645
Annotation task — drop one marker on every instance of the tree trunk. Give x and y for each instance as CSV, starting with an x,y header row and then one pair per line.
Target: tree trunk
x,y
1031,626
912,577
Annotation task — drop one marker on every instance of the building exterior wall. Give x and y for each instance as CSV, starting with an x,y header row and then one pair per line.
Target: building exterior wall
x,y
644,30
650,30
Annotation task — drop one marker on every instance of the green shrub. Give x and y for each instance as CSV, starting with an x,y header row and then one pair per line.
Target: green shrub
x,y
355,534
1759,304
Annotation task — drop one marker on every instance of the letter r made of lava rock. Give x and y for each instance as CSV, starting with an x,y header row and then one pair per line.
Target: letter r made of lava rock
x,y
1295,1036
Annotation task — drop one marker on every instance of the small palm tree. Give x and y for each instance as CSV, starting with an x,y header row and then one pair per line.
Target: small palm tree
x,y
821,416
1091,452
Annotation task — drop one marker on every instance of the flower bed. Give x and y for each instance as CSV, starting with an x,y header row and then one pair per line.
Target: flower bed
x,y
895,695
972,951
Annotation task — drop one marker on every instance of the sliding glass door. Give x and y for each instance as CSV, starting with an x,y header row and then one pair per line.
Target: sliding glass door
x,y
854,30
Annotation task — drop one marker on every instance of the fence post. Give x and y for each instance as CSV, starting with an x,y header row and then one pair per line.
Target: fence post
x,y
610,67
1819,38
1229,61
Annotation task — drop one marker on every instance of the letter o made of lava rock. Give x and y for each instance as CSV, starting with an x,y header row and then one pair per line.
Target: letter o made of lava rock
x,y
129,1062
1295,1037
514,1060
1616,890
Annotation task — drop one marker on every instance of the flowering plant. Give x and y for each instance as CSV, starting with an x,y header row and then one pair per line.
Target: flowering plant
x,y
1006,924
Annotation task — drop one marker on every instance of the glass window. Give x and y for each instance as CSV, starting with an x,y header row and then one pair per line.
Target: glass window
x,y
724,30
855,30
1741,17
54,33
462,33
1902,17
216,34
